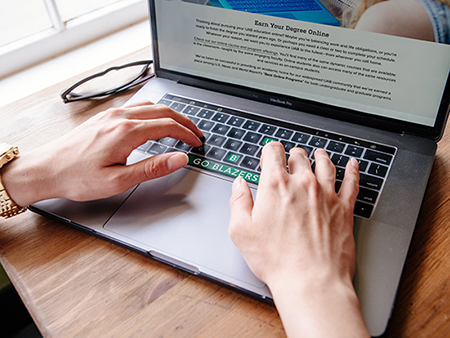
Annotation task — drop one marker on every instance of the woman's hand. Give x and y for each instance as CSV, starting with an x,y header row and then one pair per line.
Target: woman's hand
x,y
297,237
90,161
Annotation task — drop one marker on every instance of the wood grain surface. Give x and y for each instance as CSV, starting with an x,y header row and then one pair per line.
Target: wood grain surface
x,y
77,285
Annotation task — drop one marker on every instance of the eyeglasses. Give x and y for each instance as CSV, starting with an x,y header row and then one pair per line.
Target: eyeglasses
x,y
118,79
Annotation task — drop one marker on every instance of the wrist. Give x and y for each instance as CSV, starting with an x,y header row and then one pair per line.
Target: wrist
x,y
24,180
318,307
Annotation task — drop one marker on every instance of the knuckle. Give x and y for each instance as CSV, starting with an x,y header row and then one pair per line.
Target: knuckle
x,y
279,180
113,112
123,126
162,108
309,181
154,168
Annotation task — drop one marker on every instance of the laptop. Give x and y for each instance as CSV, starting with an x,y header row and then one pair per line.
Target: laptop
x,y
247,79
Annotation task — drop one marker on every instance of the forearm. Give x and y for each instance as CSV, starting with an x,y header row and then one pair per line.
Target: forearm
x,y
319,309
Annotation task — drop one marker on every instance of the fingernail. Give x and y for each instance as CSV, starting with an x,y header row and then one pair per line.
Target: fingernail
x,y
177,161
354,162
237,183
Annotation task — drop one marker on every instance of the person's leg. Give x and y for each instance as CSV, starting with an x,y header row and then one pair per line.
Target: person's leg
x,y
406,18
440,19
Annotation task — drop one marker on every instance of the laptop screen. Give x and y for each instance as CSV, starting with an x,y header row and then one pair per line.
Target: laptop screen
x,y
293,54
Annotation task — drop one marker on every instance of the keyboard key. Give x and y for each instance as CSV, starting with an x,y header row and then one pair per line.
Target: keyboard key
x,y
191,110
221,117
232,158
287,145
178,106
301,138
205,125
166,102
284,133
236,133
366,195
363,209
378,157
252,137
307,149
249,149
194,119
370,182
318,142
183,146
205,114
378,170
236,121
216,153
362,165
249,162
202,150
145,146
206,136
251,125
168,141
216,140
156,149
340,172
220,129
339,160
353,151
232,144
267,129
336,147
267,140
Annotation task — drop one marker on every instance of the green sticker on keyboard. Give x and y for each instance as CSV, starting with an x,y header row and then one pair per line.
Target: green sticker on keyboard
x,y
267,140
233,158
203,163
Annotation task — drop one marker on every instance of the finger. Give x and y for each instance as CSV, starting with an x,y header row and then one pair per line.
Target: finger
x,y
139,104
157,111
165,127
298,161
273,157
241,204
350,185
325,170
150,168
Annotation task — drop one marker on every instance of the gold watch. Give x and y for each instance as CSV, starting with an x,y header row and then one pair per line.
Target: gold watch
x,y
8,208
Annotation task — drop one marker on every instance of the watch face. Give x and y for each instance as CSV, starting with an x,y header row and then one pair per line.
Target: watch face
x,y
7,153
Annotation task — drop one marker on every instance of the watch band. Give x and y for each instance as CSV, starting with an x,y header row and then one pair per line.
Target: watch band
x,y
8,208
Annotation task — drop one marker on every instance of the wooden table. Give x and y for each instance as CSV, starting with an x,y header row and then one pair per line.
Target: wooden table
x,y
75,284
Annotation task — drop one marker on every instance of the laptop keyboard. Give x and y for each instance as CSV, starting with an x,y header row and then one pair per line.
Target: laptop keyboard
x,y
234,141
261,6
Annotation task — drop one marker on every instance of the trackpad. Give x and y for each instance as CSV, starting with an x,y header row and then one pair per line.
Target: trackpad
x,y
185,216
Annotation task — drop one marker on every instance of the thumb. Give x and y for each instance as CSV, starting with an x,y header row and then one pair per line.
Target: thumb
x,y
241,203
157,166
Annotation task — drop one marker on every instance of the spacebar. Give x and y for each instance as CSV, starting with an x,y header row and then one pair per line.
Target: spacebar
x,y
204,163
